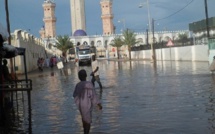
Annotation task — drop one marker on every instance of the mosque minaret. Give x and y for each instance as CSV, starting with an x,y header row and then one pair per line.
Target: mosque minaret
x,y
107,17
78,18
49,30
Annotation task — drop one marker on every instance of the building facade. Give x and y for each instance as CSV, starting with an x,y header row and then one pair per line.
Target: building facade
x,y
104,49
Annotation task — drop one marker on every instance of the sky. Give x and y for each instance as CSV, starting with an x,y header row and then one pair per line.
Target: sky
x,y
168,15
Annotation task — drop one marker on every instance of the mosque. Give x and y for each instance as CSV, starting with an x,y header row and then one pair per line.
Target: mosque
x,y
45,45
78,25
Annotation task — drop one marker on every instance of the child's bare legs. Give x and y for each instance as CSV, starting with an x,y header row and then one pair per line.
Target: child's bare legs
x,y
86,127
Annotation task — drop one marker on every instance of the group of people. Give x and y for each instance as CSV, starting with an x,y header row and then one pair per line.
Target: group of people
x,y
52,62
85,95
41,62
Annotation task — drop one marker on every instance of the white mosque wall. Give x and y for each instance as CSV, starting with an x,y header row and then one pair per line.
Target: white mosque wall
x,y
102,42
186,53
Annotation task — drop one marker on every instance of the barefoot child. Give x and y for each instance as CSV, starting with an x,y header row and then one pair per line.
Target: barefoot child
x,y
85,98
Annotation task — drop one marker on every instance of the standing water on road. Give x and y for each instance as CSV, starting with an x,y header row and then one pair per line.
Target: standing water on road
x,y
177,97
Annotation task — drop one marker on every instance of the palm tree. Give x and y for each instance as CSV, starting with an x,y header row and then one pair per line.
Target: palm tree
x,y
117,42
129,40
63,44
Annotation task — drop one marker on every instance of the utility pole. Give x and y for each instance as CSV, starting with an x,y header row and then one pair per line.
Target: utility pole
x,y
8,21
153,42
147,36
8,30
207,23
150,29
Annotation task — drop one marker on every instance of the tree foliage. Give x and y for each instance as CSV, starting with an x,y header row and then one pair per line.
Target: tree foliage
x,y
129,40
183,37
64,43
117,42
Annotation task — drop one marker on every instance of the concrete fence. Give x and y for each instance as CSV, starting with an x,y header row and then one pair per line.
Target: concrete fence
x,y
187,53
34,49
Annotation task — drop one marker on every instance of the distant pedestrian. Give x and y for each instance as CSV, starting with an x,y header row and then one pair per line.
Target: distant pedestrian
x,y
47,62
51,62
212,66
40,64
85,98
95,72
5,71
54,60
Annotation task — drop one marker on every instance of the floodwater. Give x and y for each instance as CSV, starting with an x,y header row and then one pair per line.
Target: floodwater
x,y
175,98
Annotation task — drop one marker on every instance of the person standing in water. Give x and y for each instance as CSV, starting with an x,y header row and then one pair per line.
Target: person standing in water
x,y
95,72
85,98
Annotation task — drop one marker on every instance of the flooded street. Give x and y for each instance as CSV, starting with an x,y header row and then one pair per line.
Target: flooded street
x,y
177,97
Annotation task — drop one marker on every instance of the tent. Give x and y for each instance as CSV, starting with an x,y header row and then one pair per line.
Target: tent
x,y
3,31
9,51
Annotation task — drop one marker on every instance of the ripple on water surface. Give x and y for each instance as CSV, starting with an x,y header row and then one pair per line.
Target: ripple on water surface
x,y
177,97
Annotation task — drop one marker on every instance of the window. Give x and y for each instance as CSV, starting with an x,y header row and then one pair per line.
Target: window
x,y
84,51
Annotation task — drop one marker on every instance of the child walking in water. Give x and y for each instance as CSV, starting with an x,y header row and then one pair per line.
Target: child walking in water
x,y
95,72
85,98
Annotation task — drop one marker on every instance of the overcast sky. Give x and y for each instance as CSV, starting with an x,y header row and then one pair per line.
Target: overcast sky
x,y
28,15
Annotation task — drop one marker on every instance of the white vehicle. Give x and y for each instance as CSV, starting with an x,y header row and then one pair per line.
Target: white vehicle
x,y
71,54
85,53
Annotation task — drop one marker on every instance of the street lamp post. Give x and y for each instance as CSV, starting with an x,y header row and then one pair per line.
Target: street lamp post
x,y
153,41
207,22
149,16
151,30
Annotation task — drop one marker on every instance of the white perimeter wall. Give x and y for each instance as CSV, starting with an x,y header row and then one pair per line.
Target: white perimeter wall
x,y
186,53
34,49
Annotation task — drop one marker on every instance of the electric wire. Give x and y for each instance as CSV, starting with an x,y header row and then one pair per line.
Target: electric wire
x,y
176,11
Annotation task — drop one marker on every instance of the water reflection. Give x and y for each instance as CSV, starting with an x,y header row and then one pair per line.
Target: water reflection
x,y
16,117
210,107
174,97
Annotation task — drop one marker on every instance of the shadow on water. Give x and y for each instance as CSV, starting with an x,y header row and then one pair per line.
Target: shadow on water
x,y
15,119
210,106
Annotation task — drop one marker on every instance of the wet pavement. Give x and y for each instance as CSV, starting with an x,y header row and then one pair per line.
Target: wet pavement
x,y
177,97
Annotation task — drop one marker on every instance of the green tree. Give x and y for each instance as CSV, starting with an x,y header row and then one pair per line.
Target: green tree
x,y
63,44
129,40
117,42
183,38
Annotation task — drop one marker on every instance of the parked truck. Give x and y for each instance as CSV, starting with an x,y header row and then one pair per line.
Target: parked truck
x,y
84,54
70,54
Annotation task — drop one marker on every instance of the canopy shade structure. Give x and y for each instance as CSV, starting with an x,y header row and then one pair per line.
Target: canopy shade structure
x,y
10,51
3,32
